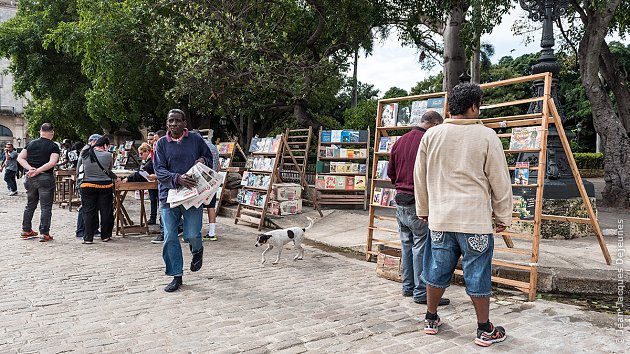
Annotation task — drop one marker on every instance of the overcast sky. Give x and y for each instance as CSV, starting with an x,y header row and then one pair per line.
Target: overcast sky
x,y
391,64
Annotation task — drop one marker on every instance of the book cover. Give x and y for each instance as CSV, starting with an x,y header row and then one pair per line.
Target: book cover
x,y
354,136
275,144
354,167
335,136
440,110
392,198
345,136
349,182
389,114
319,167
347,167
336,152
381,169
521,173
386,196
525,138
333,167
350,153
249,164
362,168
378,196
320,182
404,116
382,144
340,182
326,135
362,153
330,151
245,178
363,136
436,102
255,145
322,151
418,108
525,205
343,153
359,182
330,182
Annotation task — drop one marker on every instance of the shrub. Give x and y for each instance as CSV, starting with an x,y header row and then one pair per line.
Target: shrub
x,y
589,160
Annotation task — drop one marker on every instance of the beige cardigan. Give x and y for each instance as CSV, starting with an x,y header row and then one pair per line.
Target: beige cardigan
x,y
461,177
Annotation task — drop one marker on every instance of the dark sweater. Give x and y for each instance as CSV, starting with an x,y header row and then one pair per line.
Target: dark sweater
x,y
147,167
403,159
174,158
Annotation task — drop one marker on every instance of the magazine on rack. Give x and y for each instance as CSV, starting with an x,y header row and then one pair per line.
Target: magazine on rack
x,y
208,182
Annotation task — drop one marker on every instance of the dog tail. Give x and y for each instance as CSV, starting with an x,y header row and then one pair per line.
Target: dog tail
x,y
310,224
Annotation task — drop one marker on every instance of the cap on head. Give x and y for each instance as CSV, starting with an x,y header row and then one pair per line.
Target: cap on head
x,y
94,137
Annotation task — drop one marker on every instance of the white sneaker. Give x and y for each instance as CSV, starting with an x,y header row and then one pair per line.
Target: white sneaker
x,y
13,193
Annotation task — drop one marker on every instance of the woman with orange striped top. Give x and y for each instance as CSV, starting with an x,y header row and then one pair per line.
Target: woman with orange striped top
x,y
97,193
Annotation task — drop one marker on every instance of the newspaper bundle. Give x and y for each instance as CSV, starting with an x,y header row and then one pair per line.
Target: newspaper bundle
x,y
208,182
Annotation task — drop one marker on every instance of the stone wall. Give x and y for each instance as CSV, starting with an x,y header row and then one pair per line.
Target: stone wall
x,y
573,207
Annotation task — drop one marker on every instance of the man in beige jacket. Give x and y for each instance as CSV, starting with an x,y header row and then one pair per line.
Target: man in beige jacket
x,y
461,179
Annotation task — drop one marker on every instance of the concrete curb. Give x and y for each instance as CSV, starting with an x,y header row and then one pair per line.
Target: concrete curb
x,y
550,279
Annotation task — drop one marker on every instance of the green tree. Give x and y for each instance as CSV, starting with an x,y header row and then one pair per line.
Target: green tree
x,y
52,77
128,81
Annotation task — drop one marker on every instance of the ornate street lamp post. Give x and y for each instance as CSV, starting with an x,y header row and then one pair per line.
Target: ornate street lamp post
x,y
559,183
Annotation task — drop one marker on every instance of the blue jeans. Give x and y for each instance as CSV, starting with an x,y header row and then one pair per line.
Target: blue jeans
x,y
9,177
443,251
172,249
413,235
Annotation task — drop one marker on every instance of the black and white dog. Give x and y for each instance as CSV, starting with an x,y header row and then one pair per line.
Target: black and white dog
x,y
279,238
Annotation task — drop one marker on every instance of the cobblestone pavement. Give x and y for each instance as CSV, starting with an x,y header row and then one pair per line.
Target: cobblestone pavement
x,y
63,296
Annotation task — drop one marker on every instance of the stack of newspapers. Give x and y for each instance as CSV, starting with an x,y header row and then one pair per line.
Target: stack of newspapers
x,y
208,183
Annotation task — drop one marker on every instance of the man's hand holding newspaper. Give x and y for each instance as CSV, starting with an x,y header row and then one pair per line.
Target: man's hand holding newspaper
x,y
198,186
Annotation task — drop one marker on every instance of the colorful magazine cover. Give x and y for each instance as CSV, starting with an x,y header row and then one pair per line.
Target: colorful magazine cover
x,y
521,173
359,182
417,110
377,197
389,114
526,138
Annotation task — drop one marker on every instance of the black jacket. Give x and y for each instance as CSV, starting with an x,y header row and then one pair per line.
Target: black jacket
x,y
137,177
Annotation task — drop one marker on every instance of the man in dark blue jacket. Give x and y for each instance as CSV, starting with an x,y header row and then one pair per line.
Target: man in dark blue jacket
x,y
175,154
413,231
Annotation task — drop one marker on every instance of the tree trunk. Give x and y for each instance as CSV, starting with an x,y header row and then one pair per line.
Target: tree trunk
x,y
355,82
475,62
302,116
250,130
454,53
614,138
617,81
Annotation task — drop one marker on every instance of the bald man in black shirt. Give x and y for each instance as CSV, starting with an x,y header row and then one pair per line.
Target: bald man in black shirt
x,y
38,158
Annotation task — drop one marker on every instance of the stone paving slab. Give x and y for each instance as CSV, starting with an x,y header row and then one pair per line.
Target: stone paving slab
x,y
63,296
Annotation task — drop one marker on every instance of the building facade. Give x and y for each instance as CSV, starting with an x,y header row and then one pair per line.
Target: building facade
x,y
12,124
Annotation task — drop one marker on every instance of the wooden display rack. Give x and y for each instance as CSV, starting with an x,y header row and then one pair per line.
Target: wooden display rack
x,y
338,196
256,215
549,115
299,140
375,209
225,169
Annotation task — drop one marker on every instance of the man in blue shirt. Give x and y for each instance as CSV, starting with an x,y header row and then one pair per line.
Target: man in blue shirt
x,y
174,156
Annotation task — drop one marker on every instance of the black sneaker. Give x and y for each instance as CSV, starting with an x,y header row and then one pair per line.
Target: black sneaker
x,y
486,339
431,326
407,294
158,239
174,284
151,222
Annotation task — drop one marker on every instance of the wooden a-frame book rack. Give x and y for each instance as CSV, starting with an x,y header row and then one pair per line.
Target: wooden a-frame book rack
x,y
549,115
256,215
